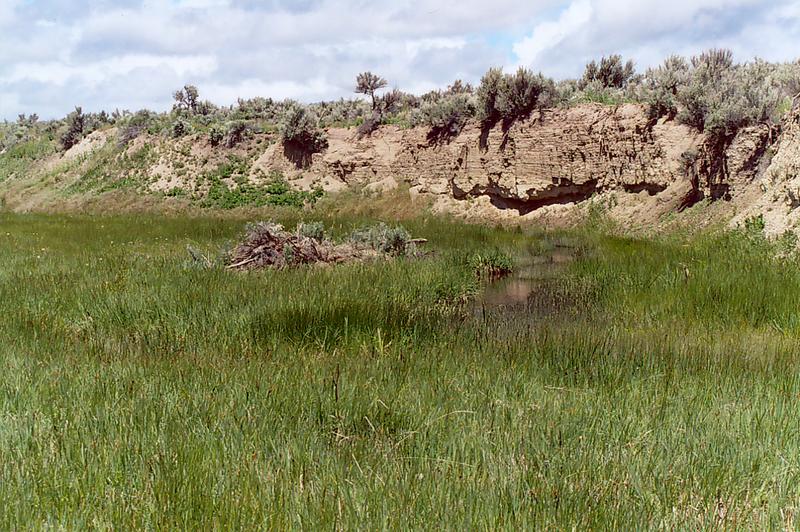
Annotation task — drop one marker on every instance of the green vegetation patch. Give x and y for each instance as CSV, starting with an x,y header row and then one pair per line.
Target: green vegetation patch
x,y
18,159
111,168
659,390
276,192
492,264
228,188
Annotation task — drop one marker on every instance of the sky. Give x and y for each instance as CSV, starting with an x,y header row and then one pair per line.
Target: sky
x,y
133,54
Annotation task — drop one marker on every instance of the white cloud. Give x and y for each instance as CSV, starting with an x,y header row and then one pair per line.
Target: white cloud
x,y
7,8
10,104
55,54
413,48
228,93
650,30
96,72
551,34
203,4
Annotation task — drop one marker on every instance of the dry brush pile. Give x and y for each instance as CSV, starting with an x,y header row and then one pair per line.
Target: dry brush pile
x,y
269,245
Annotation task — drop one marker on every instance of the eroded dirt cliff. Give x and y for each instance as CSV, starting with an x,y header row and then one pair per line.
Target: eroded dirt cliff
x,y
554,166
777,197
550,165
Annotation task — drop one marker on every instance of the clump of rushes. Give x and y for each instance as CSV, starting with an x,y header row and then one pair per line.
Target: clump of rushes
x,y
386,239
492,264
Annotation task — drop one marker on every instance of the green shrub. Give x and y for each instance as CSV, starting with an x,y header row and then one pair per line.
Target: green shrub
x,y
714,95
713,62
754,225
245,194
595,92
488,93
233,166
205,108
511,97
16,158
447,116
257,108
236,132
175,192
76,125
180,128
566,92
369,125
341,112
299,127
722,98
216,134
708,84
661,86
787,243
314,230
390,102
135,126
381,237
522,92
610,73
385,107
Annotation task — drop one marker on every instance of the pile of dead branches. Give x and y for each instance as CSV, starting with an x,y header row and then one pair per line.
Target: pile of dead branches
x,y
268,245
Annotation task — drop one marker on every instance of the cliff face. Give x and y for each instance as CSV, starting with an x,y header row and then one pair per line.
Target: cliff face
x,y
560,157
778,196
552,166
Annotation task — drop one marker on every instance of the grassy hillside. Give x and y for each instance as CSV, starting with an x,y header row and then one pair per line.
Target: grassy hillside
x,y
645,383
184,173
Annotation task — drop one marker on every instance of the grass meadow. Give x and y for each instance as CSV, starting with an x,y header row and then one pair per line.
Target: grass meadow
x,y
647,384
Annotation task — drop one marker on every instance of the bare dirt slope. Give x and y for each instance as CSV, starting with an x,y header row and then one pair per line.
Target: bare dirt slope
x,y
554,166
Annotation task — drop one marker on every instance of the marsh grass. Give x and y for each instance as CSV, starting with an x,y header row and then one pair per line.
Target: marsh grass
x,y
138,392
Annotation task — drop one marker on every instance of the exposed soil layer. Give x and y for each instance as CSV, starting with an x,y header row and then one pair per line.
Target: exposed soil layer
x,y
552,164
551,167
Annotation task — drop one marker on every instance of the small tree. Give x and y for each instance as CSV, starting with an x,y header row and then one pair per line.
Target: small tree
x,y
215,134
445,117
522,93
367,83
299,128
187,98
610,73
488,91
180,100
237,130
661,86
76,122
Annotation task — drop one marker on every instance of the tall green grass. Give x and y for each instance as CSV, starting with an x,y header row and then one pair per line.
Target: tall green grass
x,y
656,388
